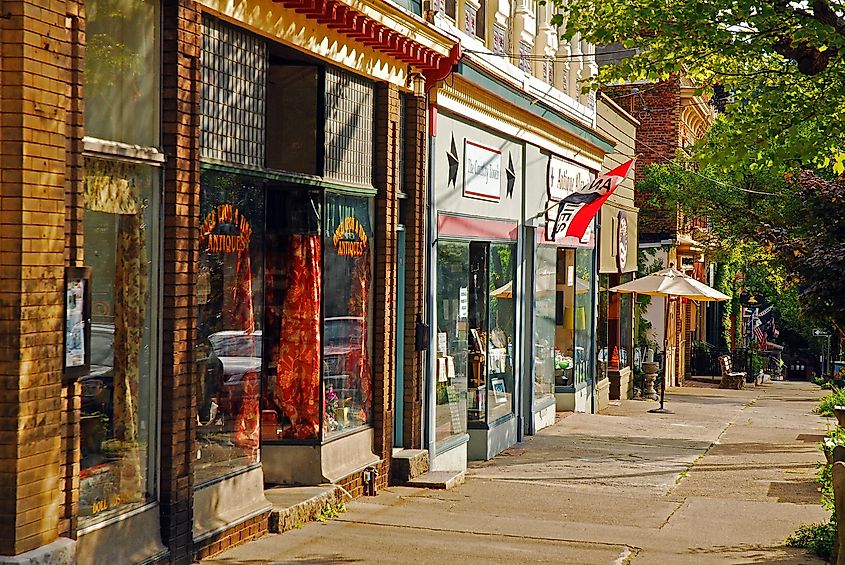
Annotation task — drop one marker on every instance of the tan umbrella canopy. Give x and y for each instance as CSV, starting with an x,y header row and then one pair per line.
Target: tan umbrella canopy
x,y
668,283
543,287
671,282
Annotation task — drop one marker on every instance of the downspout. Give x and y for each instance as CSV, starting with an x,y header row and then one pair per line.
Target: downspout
x,y
444,68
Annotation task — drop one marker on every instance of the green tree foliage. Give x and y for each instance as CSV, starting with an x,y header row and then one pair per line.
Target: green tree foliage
x,y
789,242
778,67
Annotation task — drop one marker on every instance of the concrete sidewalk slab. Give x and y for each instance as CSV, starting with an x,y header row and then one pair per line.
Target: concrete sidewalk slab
x,y
723,480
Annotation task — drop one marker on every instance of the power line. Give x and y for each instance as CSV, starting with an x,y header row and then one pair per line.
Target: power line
x,y
670,161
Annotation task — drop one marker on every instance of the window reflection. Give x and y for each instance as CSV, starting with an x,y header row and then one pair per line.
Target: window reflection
x,y
452,400
229,324
116,422
544,322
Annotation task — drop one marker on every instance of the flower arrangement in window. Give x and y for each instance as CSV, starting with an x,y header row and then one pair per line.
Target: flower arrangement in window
x,y
562,362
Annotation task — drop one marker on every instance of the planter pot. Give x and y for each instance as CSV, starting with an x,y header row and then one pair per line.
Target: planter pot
x,y
839,412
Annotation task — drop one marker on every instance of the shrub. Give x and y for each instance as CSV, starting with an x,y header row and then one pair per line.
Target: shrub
x,y
827,402
815,538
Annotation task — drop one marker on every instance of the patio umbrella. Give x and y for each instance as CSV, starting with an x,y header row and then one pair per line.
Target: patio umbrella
x,y
668,283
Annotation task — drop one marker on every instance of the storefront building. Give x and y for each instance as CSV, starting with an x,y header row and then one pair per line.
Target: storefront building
x,y
200,264
493,335
617,262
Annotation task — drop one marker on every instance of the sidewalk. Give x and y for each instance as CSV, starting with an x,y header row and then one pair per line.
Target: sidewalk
x,y
723,480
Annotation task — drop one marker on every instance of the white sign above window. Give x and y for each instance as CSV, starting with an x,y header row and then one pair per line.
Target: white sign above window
x,y
482,172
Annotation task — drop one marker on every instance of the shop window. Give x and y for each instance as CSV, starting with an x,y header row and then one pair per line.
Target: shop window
x,y
348,314
349,107
502,331
566,287
293,278
452,340
234,79
476,329
118,423
584,338
544,322
229,324
121,71
614,333
293,121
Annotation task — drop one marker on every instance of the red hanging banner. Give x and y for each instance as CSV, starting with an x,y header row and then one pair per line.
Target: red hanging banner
x,y
577,210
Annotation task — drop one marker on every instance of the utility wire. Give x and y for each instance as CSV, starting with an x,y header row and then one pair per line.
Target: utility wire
x,y
670,161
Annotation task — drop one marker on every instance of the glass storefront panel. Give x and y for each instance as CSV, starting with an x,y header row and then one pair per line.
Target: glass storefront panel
x,y
584,340
502,330
121,71
348,313
544,322
293,292
230,297
478,291
566,286
626,325
451,371
118,405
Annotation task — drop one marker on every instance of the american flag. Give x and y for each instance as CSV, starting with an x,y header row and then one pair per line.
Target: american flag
x,y
761,336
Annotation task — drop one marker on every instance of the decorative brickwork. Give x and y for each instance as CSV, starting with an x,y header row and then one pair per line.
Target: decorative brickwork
x,y
34,89
71,399
386,177
248,530
181,38
416,154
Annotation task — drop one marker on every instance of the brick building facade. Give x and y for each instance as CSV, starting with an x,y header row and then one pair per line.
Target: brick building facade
x,y
121,416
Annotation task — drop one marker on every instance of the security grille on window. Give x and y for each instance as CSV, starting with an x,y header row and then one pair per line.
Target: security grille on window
x,y
349,128
234,69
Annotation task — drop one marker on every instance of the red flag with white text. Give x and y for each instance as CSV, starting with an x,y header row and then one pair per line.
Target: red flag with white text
x,y
577,210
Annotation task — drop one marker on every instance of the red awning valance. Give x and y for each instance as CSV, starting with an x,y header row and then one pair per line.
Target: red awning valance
x,y
336,15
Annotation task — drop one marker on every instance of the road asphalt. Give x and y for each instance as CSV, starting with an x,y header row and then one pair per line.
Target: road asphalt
x,y
725,479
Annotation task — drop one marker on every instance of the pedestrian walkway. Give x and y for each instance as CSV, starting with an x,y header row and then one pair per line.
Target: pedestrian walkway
x,y
722,480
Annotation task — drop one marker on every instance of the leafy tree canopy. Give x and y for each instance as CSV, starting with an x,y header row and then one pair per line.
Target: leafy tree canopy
x,y
778,64
789,240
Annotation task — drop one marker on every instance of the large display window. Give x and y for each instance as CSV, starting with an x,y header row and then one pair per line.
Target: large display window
x,y
348,313
451,343
475,334
615,329
545,300
584,320
118,416
563,321
229,324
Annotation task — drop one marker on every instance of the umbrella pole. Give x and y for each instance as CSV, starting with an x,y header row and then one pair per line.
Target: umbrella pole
x,y
663,410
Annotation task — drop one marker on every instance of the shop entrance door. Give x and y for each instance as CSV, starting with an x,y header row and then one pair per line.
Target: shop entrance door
x,y
399,388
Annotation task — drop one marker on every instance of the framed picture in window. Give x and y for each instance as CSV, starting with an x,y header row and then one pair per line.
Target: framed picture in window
x,y
77,322
499,393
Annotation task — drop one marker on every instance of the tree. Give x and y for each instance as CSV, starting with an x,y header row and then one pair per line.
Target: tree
x,y
786,231
779,67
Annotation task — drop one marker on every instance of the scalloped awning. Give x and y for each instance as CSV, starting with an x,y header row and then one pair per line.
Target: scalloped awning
x,y
356,24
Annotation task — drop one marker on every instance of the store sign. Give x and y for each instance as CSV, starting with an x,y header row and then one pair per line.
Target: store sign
x,y
565,178
349,238
622,241
482,172
225,214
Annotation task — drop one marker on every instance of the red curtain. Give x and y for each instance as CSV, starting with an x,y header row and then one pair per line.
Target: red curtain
x,y
298,367
243,317
360,376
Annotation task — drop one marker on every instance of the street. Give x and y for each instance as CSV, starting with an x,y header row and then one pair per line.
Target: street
x,y
725,479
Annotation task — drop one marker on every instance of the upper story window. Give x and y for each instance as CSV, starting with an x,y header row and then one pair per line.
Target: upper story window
x,y
121,71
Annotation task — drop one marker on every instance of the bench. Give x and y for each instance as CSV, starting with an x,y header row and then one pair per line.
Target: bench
x,y
730,379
